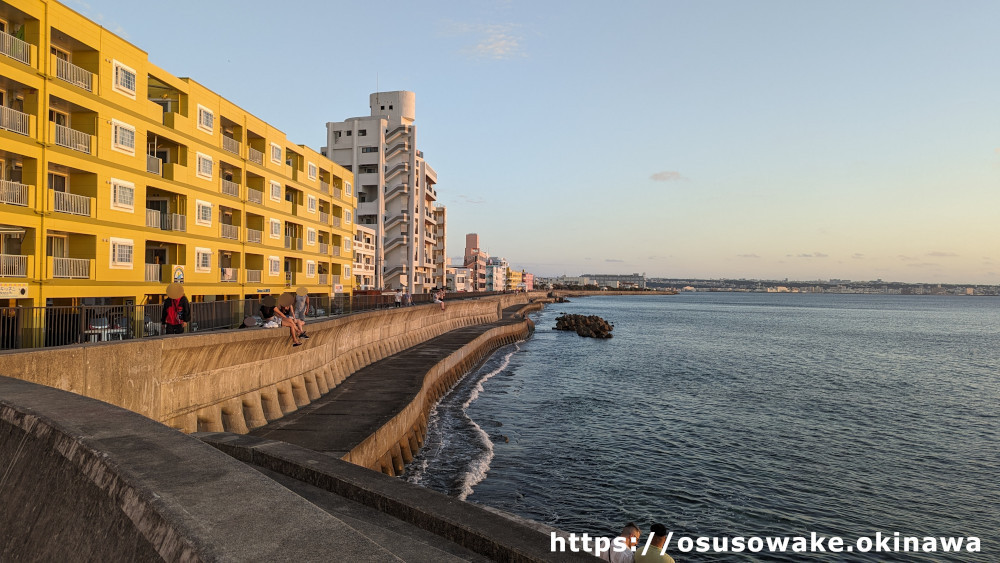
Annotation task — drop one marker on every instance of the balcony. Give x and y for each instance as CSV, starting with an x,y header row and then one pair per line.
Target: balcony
x,y
72,139
253,276
13,120
334,279
154,165
253,235
13,193
15,48
293,243
230,188
228,275
13,266
73,204
76,268
337,193
324,217
231,145
165,221
324,248
154,272
336,221
399,189
398,130
229,231
336,251
255,196
73,74
324,187
396,170
254,155
324,279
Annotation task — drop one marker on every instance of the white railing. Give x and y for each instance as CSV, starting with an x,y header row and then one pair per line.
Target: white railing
x,y
255,196
334,279
70,268
165,221
230,188
324,248
324,187
72,139
336,193
73,204
336,221
253,276
254,155
230,231
13,120
15,48
13,266
336,251
324,217
13,193
293,243
324,279
153,272
154,165
73,74
231,145
253,235
153,218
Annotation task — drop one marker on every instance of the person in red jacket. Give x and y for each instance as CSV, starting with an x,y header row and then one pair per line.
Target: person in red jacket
x,y
176,310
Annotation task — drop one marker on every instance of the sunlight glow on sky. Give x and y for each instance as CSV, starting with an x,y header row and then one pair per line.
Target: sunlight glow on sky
x,y
766,139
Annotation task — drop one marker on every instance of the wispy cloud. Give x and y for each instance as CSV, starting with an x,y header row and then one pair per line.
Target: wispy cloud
x,y
613,260
923,265
667,176
496,41
858,256
747,256
939,254
905,258
813,255
471,200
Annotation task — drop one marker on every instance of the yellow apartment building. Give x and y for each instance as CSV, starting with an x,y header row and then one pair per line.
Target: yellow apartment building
x,y
119,177
514,278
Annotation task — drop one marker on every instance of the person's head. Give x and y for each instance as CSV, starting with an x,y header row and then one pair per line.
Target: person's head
x,y
631,533
659,532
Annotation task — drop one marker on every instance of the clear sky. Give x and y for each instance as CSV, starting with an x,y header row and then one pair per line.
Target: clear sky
x,y
757,139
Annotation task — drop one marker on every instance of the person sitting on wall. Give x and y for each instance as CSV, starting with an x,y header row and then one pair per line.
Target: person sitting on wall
x,y
439,298
176,310
631,535
284,312
270,320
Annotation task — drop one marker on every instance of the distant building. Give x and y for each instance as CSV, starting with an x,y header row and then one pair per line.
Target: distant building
x,y
475,260
457,279
496,274
439,255
617,280
364,257
529,281
514,279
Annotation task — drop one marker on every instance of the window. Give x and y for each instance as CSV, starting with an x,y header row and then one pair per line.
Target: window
x,y
275,228
311,203
312,171
310,269
204,166
369,149
276,153
273,265
122,137
362,132
122,195
121,253
202,259
206,119
311,236
347,190
203,213
124,79
347,216
347,270
336,134
275,191
368,169
347,244
348,133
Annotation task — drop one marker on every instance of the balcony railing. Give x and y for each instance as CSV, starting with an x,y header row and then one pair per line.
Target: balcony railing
x,y
253,235
324,248
336,251
154,165
254,155
15,48
324,187
165,221
337,193
324,217
229,231
230,188
255,196
13,120
72,139
324,279
293,243
71,268
228,275
334,279
73,74
336,221
253,276
13,266
153,272
73,204
231,145
13,193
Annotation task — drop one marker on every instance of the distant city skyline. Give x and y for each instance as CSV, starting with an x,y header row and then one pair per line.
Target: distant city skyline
x,y
772,140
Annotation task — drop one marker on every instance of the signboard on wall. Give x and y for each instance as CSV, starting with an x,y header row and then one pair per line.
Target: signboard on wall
x,y
177,274
13,291
338,288
263,290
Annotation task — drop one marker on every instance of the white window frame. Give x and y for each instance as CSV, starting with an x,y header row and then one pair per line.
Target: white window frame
x,y
347,190
198,206
273,266
116,244
310,236
202,157
347,270
313,171
209,127
198,253
122,187
274,184
278,160
310,268
311,203
116,86
347,244
115,145
275,233
347,216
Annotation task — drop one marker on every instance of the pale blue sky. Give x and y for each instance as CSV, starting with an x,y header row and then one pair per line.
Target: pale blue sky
x,y
763,139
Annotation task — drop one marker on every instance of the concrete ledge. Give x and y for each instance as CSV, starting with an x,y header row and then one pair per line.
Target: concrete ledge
x,y
85,480
468,525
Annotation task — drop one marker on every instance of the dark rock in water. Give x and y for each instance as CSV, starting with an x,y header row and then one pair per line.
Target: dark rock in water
x,y
588,326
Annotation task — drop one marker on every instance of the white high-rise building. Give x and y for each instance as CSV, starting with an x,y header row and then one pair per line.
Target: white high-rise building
x,y
395,189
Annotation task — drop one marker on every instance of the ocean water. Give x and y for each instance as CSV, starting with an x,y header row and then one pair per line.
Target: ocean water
x,y
723,414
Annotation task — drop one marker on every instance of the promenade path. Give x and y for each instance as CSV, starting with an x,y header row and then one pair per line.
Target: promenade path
x,y
365,401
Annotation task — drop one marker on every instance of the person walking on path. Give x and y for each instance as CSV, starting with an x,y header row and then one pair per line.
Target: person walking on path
x,y
301,307
399,297
176,310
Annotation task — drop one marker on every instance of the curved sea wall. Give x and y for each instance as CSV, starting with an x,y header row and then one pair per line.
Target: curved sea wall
x,y
235,381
